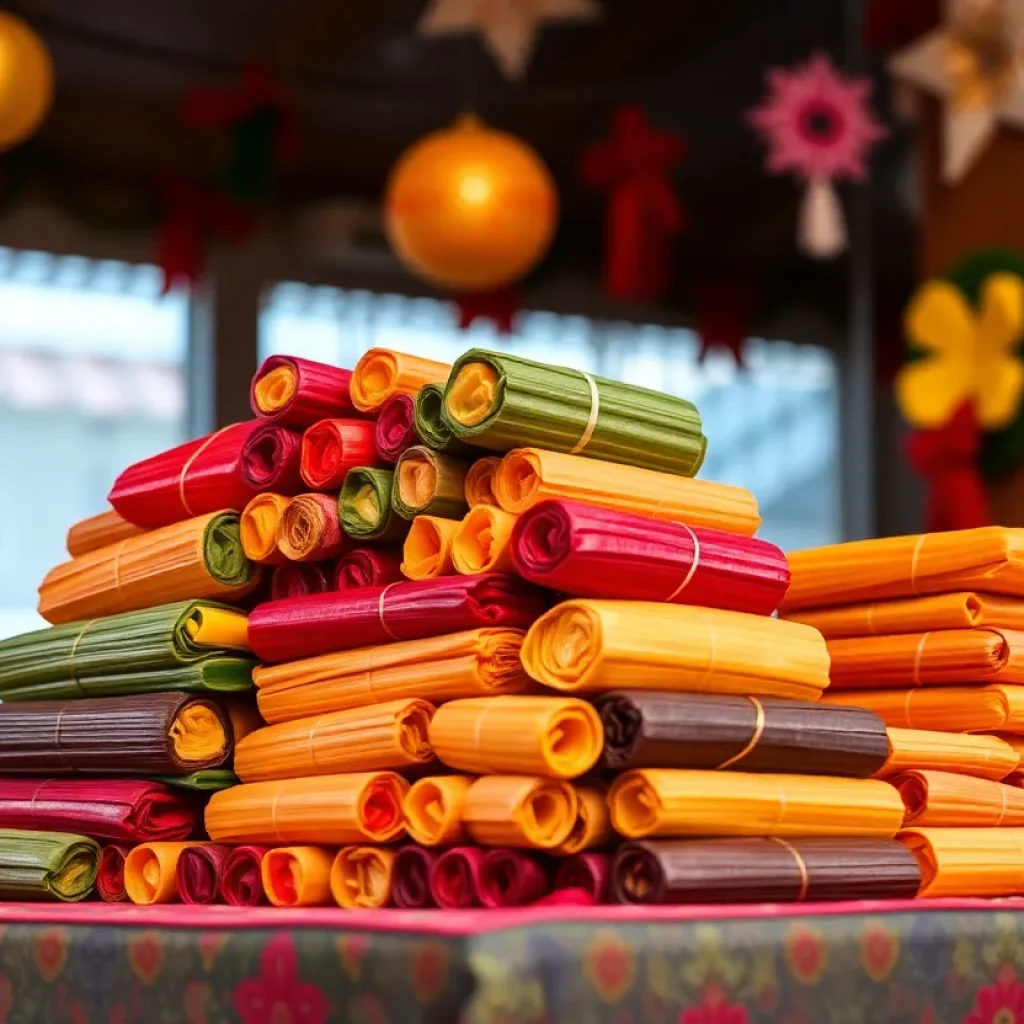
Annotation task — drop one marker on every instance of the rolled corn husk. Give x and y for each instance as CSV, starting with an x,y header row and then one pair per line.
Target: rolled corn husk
x,y
479,486
361,877
679,802
390,735
150,872
986,757
297,876
382,372
427,551
433,809
326,810
593,825
477,662
483,541
521,811
968,862
553,736
586,646
258,526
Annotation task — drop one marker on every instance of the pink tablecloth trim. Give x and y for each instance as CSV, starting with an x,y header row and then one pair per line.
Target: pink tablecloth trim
x,y
452,922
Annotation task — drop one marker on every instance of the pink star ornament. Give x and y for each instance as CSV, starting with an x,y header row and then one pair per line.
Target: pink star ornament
x,y
818,125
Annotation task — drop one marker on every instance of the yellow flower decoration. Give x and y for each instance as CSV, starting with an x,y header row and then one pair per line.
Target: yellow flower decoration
x,y
971,357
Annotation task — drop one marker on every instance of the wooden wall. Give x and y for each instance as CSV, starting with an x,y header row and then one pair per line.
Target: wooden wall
x,y
986,208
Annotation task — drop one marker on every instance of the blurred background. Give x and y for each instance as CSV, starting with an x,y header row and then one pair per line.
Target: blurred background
x,y
187,188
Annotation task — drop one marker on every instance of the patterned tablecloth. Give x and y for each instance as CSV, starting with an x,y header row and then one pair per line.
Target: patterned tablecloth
x,y
943,962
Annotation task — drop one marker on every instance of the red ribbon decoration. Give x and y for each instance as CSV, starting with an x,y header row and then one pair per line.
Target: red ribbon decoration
x,y
209,107
947,459
194,215
723,311
643,214
500,307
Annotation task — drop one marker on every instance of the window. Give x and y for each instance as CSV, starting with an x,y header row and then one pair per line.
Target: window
x,y
773,428
91,379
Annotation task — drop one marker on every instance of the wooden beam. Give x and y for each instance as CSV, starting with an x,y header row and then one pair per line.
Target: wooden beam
x,y
315,32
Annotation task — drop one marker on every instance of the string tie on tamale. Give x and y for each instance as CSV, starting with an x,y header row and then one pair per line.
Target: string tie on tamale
x,y
782,809
1002,809
380,612
913,561
870,617
273,816
188,465
754,737
906,709
71,658
917,658
479,726
693,565
117,567
801,866
309,742
595,406
39,789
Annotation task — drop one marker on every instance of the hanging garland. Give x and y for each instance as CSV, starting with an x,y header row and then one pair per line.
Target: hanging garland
x,y
261,123
263,133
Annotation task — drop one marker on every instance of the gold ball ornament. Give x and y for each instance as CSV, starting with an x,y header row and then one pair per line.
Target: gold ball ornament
x,y
26,81
470,208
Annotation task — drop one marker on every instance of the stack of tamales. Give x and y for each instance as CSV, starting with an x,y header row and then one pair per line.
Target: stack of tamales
x,y
506,649
928,633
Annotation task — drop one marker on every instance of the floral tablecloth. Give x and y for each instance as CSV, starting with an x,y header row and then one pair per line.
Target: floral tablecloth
x,y
961,963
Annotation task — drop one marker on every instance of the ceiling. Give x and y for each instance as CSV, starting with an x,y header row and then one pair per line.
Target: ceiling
x,y
367,86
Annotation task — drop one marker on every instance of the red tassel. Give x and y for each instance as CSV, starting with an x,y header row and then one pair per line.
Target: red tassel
x,y
947,459
500,307
644,214
194,215
723,310
179,251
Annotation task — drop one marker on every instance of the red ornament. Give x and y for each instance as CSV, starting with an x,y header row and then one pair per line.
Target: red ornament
x,y
947,459
723,310
500,307
194,216
643,214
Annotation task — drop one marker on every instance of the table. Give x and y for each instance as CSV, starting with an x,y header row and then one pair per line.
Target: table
x,y
918,962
